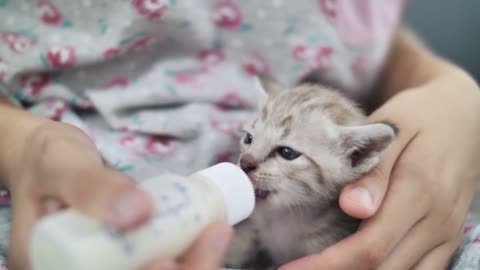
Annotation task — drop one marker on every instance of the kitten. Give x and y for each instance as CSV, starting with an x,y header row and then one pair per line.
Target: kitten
x,y
306,144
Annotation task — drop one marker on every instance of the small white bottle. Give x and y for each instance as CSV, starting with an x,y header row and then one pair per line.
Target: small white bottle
x,y
184,207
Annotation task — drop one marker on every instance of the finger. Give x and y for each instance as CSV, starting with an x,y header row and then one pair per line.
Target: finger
x,y
208,251
421,238
24,214
439,258
161,264
362,198
417,243
107,195
404,206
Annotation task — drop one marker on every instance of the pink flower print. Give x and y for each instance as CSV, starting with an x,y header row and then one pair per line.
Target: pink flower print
x,y
228,15
150,146
3,69
34,84
160,146
189,78
476,240
49,13
211,57
323,57
184,78
56,109
4,197
17,42
467,229
299,52
256,64
151,9
232,129
61,57
319,58
134,143
118,82
329,8
111,52
123,129
140,43
231,100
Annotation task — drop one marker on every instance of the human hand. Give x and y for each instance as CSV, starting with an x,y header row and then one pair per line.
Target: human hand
x,y
59,167
205,254
416,200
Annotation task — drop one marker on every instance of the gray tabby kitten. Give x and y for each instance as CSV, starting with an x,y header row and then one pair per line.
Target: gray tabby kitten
x,y
306,144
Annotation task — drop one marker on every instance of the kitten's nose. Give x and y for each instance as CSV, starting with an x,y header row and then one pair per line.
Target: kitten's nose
x,y
248,163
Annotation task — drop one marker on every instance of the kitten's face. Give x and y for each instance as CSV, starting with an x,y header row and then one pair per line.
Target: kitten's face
x,y
296,153
281,168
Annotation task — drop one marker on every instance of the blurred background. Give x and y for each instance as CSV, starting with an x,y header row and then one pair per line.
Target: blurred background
x,y
452,29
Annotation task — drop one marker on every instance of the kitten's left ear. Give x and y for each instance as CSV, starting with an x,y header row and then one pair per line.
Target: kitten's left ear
x,y
268,86
364,145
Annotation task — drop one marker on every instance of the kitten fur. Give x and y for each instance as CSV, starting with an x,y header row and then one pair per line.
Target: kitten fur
x,y
297,211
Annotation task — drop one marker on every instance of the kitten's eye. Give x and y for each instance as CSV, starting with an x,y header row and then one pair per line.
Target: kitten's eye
x,y
288,153
248,138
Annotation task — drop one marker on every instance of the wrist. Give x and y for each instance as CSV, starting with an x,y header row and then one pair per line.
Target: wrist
x,y
15,128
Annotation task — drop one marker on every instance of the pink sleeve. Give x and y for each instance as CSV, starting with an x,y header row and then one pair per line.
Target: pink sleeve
x,y
364,23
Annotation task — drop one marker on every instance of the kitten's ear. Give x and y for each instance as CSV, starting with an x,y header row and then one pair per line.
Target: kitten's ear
x,y
268,86
364,145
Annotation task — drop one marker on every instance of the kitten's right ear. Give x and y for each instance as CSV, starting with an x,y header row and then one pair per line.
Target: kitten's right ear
x,y
364,145
268,86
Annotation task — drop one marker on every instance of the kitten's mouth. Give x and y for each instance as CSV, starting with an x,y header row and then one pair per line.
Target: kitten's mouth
x,y
261,194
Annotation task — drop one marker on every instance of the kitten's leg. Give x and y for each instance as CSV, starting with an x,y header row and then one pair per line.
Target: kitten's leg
x,y
244,246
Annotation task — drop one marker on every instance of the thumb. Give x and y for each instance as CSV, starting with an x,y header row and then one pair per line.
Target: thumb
x,y
208,250
362,198
109,196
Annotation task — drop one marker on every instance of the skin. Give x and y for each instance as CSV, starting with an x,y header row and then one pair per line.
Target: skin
x,y
416,200
42,181
424,183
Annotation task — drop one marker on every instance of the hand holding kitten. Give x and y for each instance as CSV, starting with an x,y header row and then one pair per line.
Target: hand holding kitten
x,y
430,172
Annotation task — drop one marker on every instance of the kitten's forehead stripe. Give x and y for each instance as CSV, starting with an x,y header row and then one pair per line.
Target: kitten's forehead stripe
x,y
264,113
286,131
308,99
287,120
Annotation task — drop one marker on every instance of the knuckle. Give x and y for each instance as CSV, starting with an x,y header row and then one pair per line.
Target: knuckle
x,y
375,253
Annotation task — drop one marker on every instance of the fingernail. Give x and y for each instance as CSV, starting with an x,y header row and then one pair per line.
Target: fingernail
x,y
128,210
361,196
220,239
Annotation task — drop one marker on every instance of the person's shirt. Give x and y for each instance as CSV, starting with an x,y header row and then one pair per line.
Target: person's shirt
x,y
158,82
